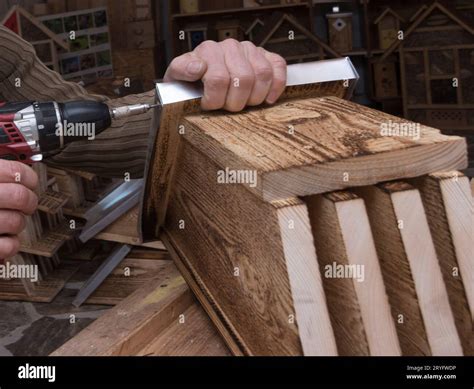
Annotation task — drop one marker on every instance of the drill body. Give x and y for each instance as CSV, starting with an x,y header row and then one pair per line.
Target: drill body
x,y
30,131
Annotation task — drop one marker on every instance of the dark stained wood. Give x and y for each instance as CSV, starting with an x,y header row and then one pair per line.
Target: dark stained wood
x,y
227,229
334,146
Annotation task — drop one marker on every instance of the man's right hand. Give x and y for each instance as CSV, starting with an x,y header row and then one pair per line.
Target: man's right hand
x,y
17,199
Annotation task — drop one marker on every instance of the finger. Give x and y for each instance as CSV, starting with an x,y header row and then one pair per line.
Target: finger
x,y
9,246
186,67
11,222
242,77
18,197
216,78
16,172
279,76
263,72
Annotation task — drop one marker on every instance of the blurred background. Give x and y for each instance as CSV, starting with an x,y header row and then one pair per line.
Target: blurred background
x,y
415,58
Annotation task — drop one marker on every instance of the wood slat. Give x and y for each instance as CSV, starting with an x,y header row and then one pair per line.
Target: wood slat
x,y
448,204
411,271
357,301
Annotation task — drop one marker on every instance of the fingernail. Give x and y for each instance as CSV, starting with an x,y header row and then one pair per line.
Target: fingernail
x,y
272,97
194,67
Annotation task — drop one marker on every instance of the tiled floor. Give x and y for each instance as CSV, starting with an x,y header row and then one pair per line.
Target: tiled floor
x,y
36,329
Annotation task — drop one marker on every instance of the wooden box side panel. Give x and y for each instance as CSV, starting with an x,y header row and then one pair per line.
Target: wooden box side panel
x,y
232,241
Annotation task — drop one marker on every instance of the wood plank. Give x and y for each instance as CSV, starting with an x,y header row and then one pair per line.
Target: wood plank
x,y
194,336
334,146
124,230
448,204
411,270
357,301
125,279
235,344
131,325
215,228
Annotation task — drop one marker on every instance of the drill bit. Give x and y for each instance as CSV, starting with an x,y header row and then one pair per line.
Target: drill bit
x,y
130,110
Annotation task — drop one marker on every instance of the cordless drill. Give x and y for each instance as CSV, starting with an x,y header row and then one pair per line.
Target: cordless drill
x,y
30,131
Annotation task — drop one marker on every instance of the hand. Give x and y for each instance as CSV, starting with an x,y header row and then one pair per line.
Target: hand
x,y
17,182
234,74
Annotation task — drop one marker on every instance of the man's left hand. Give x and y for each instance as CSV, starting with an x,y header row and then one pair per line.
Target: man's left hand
x,y
235,74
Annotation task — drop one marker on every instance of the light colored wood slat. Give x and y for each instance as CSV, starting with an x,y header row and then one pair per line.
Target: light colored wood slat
x,y
157,245
193,334
357,301
448,204
314,326
317,145
131,325
239,253
411,270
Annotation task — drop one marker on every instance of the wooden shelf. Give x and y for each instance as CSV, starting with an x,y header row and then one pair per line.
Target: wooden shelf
x,y
355,52
239,10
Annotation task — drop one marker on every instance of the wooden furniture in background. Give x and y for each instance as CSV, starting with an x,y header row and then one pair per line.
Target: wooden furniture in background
x,y
340,31
436,69
388,25
47,44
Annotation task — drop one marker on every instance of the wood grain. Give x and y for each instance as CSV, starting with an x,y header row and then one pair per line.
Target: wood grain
x,y
165,144
196,336
331,137
126,229
166,125
227,230
411,271
360,313
131,325
118,286
448,204
225,328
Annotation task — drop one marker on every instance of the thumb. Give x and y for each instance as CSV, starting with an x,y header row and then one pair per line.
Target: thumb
x,y
186,67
